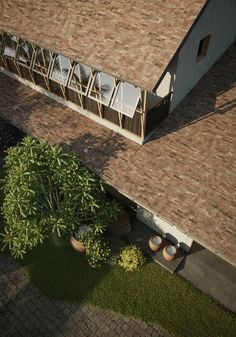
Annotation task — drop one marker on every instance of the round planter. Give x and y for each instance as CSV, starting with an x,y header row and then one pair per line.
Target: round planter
x,y
155,243
77,245
169,253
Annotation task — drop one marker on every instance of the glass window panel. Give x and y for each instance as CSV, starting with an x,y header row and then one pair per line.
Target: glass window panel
x,y
42,60
126,98
81,78
60,70
102,87
10,46
25,53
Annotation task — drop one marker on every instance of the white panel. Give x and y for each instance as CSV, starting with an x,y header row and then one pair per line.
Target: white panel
x,y
164,228
126,99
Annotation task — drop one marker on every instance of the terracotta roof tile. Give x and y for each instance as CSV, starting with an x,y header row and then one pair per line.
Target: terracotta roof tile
x,y
130,39
186,173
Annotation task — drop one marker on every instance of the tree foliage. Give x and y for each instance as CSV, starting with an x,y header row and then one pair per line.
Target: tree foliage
x,y
48,190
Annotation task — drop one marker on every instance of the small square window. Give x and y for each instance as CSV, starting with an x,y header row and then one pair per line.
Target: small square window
x,y
203,48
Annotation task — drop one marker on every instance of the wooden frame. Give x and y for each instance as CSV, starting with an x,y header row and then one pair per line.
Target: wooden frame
x,y
91,89
44,69
18,54
34,64
80,91
52,69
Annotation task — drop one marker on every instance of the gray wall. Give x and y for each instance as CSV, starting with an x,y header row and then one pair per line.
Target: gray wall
x,y
219,20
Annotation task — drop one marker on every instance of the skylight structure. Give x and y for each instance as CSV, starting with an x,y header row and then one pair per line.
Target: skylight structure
x,y
80,78
41,61
117,104
102,87
60,69
10,46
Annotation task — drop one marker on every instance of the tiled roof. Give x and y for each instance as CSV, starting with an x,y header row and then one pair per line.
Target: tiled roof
x,y
186,173
132,39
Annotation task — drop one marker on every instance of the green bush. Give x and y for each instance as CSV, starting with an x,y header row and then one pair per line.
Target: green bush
x,y
97,250
48,191
131,258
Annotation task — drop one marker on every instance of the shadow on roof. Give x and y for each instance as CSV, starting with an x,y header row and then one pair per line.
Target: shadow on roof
x,y
203,100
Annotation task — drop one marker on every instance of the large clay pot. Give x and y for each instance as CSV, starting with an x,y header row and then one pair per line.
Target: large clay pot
x,y
169,253
77,245
120,226
155,243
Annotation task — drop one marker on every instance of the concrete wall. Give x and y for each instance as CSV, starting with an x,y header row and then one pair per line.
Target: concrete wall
x,y
219,20
164,228
167,83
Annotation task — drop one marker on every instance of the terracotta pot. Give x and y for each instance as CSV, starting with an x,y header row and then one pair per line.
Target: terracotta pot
x,y
169,252
77,245
155,243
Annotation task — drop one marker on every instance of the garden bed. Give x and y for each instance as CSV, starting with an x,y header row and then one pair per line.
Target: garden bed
x,y
151,294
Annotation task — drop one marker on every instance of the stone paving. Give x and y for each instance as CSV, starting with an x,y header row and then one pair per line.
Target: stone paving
x,y
25,312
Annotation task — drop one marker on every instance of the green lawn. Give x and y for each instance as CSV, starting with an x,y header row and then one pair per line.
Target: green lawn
x,y
151,294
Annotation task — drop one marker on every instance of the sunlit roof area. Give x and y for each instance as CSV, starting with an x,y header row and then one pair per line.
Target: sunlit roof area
x,y
128,39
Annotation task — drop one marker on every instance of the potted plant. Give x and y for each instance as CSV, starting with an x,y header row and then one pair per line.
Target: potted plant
x,y
47,190
75,238
97,250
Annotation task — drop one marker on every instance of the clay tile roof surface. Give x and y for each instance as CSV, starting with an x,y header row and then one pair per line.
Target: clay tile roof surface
x,y
132,39
186,173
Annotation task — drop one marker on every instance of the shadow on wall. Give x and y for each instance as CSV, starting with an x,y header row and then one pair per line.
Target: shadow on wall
x,y
202,99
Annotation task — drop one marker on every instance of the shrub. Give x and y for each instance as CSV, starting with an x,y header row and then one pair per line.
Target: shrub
x,y
131,258
48,191
97,250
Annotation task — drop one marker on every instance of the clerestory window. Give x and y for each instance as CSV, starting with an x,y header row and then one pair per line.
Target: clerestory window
x,y
126,98
80,78
102,87
42,60
60,69
25,53
10,46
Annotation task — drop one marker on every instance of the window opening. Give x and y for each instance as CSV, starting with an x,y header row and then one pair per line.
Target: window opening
x,y
203,48
10,46
80,78
102,87
60,69
126,98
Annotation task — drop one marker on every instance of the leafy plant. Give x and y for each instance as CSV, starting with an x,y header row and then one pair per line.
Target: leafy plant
x,y
97,250
48,191
131,258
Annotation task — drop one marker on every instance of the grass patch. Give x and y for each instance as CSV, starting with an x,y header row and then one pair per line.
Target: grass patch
x,y
151,294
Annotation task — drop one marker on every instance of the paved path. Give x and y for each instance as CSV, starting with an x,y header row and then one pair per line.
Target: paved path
x,y
25,312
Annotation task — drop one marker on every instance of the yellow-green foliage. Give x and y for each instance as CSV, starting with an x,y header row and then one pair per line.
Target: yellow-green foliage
x,y
131,258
